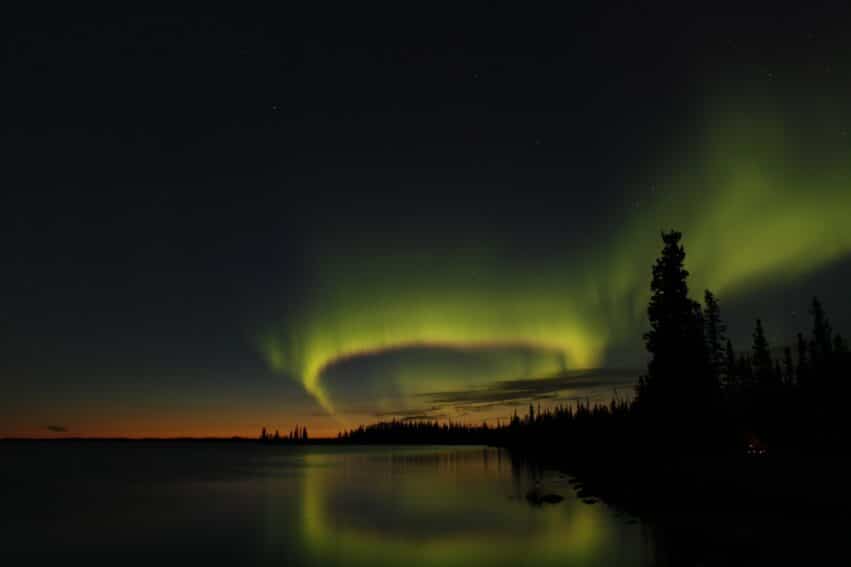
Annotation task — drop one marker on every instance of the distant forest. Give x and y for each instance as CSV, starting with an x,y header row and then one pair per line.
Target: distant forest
x,y
296,436
697,395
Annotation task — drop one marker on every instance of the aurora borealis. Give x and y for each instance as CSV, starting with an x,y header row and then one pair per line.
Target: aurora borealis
x,y
336,227
761,207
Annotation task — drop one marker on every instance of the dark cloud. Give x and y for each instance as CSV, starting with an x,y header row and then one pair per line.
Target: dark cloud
x,y
57,428
407,414
599,384
581,385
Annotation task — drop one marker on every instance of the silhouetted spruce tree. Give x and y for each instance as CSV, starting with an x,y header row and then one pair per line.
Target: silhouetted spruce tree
x,y
714,332
762,365
730,376
829,367
841,368
816,362
788,367
821,334
840,346
679,382
744,371
802,369
304,433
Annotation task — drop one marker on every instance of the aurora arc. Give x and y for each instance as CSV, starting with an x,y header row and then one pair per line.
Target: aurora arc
x,y
757,196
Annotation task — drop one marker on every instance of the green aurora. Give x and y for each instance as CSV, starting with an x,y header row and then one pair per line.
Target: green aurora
x,y
762,195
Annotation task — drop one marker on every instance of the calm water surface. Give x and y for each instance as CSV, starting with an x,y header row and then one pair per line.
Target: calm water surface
x,y
251,504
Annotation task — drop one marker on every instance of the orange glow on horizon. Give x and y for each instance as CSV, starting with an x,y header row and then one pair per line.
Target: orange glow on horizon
x,y
134,423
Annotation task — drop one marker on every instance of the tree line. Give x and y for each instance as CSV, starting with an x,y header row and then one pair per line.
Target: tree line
x,y
296,435
698,384
699,392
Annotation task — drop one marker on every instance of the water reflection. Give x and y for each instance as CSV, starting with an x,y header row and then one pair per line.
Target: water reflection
x,y
250,504
439,506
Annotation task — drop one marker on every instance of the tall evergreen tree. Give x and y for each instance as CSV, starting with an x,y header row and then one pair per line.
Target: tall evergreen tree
x,y
730,374
714,332
821,332
762,365
744,370
788,366
678,374
802,370
840,346
821,346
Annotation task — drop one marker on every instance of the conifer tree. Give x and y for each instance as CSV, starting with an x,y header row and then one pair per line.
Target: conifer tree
x,y
730,374
840,346
678,374
744,370
788,366
802,370
762,365
821,333
714,332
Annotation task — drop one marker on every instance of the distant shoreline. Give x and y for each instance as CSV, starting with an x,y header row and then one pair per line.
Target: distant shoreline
x,y
236,439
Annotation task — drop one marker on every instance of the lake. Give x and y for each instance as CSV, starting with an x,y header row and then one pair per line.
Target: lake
x,y
243,503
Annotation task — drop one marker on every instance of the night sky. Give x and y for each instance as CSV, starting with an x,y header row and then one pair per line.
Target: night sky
x,y
215,223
